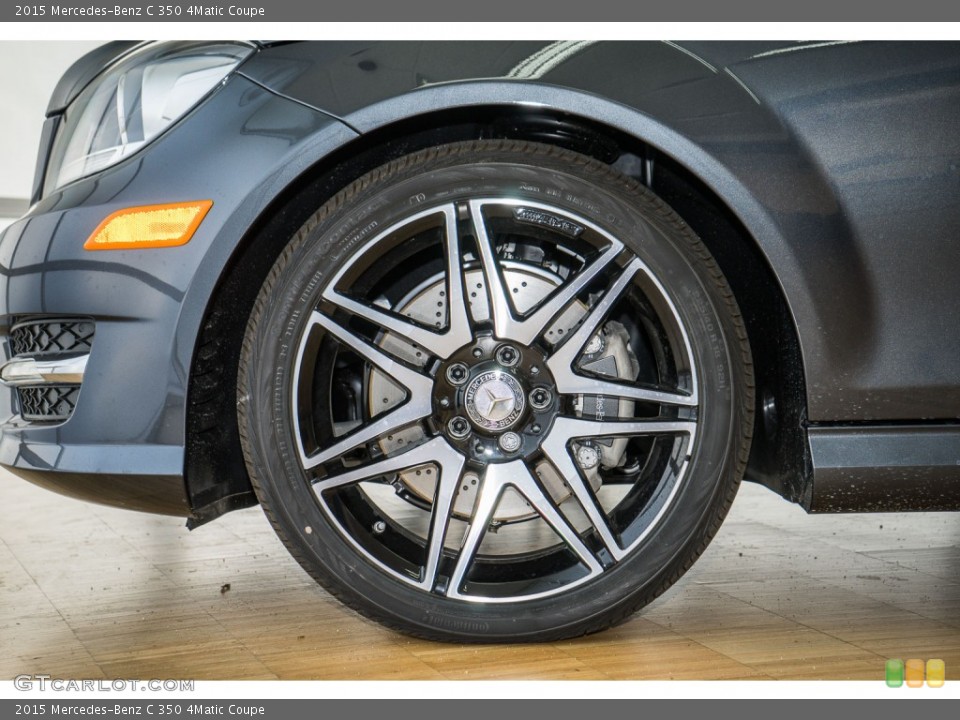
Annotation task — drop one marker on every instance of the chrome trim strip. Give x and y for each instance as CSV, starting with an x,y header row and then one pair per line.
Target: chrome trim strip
x,y
29,371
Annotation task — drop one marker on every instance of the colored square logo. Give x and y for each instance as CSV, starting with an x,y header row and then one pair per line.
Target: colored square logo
x,y
894,673
936,673
914,670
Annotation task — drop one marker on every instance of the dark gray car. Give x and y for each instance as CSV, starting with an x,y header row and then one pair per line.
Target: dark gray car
x,y
491,330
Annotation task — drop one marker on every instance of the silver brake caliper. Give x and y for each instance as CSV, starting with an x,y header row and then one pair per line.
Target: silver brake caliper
x,y
607,354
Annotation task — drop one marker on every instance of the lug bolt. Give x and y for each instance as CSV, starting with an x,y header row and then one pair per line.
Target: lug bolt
x,y
509,442
457,373
540,398
594,345
507,356
458,427
587,457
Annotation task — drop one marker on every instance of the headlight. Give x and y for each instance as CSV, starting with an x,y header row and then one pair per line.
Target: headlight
x,y
134,101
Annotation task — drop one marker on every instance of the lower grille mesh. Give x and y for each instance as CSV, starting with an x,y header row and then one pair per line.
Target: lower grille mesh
x,y
52,336
48,402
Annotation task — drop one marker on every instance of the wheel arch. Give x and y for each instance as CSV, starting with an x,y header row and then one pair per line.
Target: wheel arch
x,y
743,237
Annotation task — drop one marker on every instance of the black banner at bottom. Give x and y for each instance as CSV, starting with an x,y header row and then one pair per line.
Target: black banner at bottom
x,y
462,709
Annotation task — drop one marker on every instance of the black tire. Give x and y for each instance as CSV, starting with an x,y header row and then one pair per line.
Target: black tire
x,y
551,216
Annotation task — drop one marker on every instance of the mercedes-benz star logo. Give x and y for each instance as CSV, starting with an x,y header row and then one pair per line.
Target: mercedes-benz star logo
x,y
494,400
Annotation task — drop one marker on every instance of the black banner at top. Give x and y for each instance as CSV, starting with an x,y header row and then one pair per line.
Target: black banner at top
x,y
424,11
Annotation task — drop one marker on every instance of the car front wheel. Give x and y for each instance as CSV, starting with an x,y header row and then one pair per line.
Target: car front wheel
x,y
495,391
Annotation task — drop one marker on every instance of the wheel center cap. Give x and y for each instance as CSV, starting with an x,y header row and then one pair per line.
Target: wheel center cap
x,y
494,400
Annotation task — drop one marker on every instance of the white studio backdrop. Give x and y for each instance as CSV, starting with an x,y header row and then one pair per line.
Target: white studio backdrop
x,y
28,73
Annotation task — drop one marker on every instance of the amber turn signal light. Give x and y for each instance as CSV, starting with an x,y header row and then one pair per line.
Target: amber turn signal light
x,y
149,226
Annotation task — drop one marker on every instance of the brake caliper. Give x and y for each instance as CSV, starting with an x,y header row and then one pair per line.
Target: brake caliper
x,y
608,355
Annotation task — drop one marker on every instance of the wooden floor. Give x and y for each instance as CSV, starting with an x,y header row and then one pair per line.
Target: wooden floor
x,y
90,592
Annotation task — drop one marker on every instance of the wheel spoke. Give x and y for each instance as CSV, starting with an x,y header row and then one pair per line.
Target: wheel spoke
x,y
498,478
419,387
490,493
436,451
451,469
458,304
566,429
504,324
582,385
441,344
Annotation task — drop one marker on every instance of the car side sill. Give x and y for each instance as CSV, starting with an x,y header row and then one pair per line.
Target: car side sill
x,y
885,468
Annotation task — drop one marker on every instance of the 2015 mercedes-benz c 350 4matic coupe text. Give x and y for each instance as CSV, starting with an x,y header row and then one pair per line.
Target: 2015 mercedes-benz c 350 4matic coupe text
x,y
492,331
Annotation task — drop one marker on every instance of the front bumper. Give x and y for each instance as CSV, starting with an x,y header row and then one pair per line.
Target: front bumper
x,y
119,438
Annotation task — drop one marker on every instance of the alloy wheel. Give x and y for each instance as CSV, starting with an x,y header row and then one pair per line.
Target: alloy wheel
x,y
499,400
